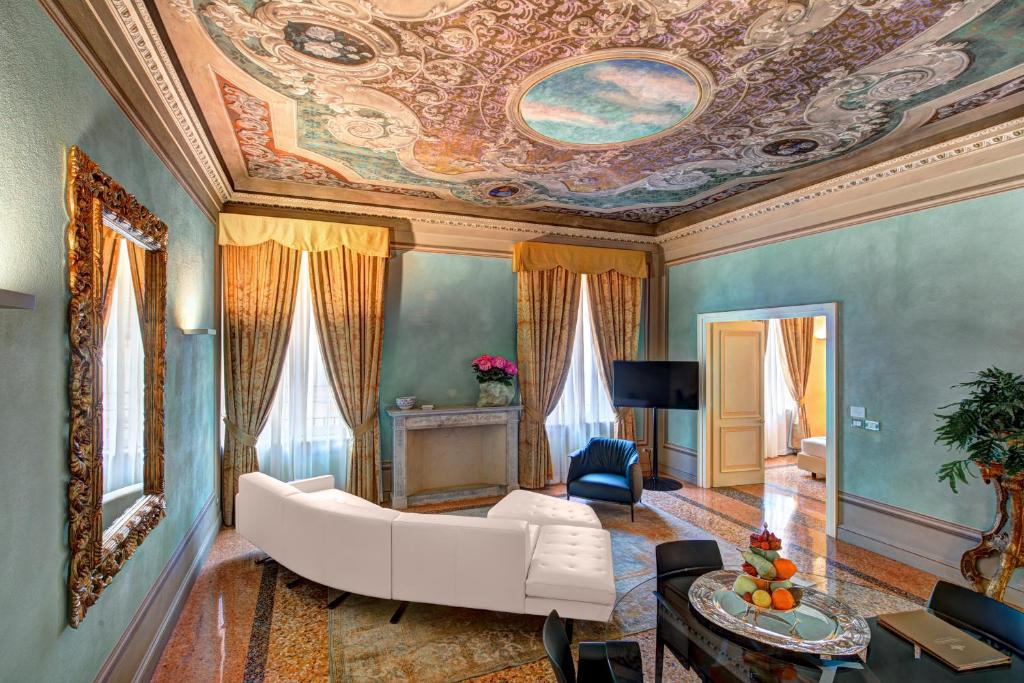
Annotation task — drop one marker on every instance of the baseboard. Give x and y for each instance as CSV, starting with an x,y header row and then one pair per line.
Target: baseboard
x,y
137,652
923,542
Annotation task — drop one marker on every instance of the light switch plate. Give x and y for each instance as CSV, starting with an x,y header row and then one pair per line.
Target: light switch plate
x,y
857,411
857,423
872,425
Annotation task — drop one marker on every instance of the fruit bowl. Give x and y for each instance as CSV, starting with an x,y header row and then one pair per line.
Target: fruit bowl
x,y
764,584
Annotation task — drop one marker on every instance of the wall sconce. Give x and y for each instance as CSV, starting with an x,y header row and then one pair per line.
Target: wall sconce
x,y
189,331
17,300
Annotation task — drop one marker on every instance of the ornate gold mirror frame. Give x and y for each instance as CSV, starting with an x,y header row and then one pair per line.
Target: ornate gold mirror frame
x,y
97,554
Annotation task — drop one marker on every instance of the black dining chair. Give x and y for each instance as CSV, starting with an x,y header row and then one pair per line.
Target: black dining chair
x,y
965,607
613,661
686,558
678,565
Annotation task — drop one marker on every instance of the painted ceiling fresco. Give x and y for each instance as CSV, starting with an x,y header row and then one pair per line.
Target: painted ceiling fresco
x,y
633,110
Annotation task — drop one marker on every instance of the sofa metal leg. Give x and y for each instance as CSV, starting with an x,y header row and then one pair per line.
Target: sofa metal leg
x,y
338,600
294,582
399,612
632,516
568,629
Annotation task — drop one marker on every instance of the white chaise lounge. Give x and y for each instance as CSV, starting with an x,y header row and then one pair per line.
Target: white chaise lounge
x,y
528,556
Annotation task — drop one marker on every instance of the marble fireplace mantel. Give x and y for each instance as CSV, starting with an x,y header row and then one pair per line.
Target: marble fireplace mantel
x,y
454,452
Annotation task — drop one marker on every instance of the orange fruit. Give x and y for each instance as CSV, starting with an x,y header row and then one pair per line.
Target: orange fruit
x,y
782,599
762,584
784,568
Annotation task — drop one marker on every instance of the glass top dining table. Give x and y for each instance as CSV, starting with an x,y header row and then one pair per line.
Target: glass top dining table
x,y
716,654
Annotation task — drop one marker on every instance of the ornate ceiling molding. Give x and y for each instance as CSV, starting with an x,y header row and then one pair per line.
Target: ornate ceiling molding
x,y
934,156
138,27
446,220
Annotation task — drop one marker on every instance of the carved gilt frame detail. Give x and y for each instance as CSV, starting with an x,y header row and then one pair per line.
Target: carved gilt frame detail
x,y
96,554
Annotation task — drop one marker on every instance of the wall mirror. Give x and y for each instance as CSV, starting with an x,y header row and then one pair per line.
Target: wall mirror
x,y
117,262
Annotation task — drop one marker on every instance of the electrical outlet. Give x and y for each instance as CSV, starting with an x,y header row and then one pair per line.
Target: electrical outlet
x,y
859,424
872,425
857,411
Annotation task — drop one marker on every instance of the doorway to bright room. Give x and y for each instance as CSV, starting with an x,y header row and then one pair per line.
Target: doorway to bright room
x,y
767,418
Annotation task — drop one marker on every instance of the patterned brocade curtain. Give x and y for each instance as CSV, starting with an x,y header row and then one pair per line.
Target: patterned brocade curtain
x,y
348,305
259,298
797,345
615,305
262,257
547,304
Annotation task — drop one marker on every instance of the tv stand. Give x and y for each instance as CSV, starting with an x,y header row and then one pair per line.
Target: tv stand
x,y
655,482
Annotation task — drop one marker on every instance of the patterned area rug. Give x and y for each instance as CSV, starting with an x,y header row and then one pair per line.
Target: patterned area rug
x,y
433,643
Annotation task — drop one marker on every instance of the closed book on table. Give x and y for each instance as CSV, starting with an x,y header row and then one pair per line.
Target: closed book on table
x,y
958,649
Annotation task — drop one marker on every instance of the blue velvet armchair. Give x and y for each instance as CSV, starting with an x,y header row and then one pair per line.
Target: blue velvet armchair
x,y
606,469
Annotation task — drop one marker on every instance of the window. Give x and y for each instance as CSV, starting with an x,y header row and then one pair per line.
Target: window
x,y
305,435
584,409
123,366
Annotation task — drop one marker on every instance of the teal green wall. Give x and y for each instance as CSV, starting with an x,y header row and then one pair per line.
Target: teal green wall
x,y
924,298
440,312
49,100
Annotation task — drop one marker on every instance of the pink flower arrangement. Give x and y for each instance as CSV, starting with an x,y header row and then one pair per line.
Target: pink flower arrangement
x,y
494,369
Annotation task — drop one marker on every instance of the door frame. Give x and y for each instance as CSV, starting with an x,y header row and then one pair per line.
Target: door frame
x,y
830,311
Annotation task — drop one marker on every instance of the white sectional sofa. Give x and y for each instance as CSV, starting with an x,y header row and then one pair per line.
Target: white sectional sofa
x,y
532,554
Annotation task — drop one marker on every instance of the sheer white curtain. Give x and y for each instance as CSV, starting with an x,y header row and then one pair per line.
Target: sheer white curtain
x,y
778,402
584,409
123,364
305,435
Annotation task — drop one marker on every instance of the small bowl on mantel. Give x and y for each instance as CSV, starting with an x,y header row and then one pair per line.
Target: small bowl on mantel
x,y
406,402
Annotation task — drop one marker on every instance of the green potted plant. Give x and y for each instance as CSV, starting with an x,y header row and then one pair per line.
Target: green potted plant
x,y
987,425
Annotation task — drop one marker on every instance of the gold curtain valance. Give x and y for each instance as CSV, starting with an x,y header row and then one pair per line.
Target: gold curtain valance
x,y
305,235
534,256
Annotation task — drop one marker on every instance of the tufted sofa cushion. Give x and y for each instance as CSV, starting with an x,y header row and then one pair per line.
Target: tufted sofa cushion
x,y
536,508
572,563
338,496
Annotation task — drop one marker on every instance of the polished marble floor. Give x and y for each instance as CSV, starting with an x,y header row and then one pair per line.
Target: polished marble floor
x,y
218,639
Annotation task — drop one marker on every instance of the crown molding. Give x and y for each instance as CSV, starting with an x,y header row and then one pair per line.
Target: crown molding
x,y
427,219
120,45
138,27
984,162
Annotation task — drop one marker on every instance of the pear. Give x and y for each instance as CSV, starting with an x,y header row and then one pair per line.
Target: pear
x,y
744,584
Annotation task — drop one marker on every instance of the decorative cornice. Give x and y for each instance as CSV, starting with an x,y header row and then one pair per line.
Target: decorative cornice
x,y
935,154
138,27
439,219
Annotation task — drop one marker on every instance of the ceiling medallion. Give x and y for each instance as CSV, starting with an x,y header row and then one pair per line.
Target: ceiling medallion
x,y
503,192
789,147
328,44
610,98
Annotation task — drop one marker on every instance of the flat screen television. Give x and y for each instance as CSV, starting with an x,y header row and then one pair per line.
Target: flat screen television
x,y
655,384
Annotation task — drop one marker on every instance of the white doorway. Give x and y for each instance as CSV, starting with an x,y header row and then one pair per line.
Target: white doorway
x,y
709,453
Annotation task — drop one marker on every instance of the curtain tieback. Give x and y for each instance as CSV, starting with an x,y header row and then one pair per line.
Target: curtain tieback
x,y
365,426
238,435
533,414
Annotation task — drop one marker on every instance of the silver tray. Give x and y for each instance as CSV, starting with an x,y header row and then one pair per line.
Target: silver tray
x,y
819,625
